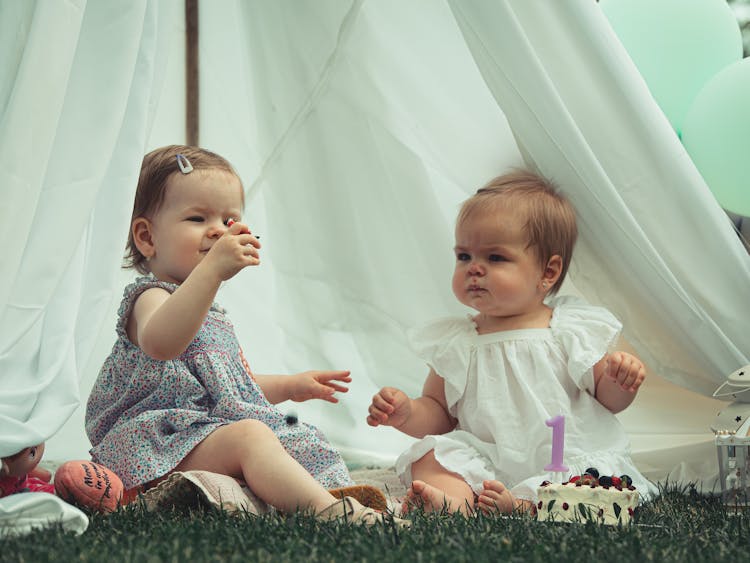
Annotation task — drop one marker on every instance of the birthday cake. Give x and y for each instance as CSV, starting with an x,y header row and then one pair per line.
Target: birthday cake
x,y
607,499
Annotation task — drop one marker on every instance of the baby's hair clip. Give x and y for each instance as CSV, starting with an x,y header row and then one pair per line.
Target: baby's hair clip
x,y
184,164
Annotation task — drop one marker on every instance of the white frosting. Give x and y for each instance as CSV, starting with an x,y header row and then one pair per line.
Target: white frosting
x,y
568,503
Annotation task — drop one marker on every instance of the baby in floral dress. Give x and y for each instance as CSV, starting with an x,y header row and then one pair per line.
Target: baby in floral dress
x,y
176,392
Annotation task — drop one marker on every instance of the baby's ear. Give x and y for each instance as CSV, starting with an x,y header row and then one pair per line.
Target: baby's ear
x,y
141,229
4,470
553,269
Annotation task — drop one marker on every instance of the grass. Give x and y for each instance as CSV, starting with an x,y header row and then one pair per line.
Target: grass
x,y
680,525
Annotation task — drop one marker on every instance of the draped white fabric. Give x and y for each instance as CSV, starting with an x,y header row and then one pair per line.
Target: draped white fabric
x,y
25,513
77,99
357,127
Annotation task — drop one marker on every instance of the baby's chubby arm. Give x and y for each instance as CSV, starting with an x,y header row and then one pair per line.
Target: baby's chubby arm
x,y
419,417
163,324
618,376
304,386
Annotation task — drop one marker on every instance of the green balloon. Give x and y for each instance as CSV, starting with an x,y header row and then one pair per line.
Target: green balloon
x,y
716,135
677,45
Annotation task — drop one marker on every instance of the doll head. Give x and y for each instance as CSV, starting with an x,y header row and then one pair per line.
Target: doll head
x,y
18,465
157,168
547,218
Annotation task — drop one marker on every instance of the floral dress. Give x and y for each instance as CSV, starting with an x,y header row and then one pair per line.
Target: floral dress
x,y
144,416
503,386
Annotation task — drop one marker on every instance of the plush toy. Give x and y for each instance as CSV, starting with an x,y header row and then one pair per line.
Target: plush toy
x,y
83,483
20,474
89,485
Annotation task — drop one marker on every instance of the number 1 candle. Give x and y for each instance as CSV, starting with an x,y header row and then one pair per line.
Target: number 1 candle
x,y
558,438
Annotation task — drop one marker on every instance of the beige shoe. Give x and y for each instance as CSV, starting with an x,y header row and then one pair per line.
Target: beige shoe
x,y
186,490
350,510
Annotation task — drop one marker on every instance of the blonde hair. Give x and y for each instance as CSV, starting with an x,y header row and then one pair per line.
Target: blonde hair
x,y
156,169
550,218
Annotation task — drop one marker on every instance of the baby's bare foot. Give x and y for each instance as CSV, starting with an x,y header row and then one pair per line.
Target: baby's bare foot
x,y
496,498
430,498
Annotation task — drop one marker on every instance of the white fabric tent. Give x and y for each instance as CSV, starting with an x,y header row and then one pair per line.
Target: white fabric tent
x,y
357,126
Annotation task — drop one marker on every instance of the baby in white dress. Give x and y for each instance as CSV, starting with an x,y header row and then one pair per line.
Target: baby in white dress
x,y
524,358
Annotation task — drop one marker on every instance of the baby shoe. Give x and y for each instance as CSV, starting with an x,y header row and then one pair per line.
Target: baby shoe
x,y
367,495
88,485
350,510
187,490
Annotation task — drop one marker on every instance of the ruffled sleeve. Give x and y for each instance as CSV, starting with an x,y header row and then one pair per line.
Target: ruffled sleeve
x,y
444,345
586,333
134,290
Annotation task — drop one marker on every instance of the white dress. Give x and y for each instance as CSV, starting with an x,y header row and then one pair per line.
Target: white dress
x,y
503,386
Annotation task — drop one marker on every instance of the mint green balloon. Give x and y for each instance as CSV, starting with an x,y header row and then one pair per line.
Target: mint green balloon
x,y
716,135
677,45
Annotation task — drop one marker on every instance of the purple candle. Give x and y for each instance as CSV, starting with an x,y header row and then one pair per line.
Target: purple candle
x,y
558,438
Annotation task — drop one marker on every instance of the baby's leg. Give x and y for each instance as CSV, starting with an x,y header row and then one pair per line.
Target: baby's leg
x,y
249,450
436,488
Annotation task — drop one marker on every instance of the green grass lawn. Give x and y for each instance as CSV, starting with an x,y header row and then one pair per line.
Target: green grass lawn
x,y
680,525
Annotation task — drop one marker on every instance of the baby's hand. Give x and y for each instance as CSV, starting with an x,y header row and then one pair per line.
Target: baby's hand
x,y
236,249
318,385
390,407
627,370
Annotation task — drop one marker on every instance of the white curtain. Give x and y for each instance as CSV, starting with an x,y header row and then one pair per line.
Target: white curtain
x,y
77,90
357,127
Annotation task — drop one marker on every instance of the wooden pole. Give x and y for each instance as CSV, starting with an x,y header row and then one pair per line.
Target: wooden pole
x,y
192,84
